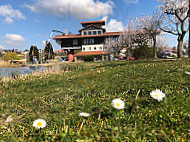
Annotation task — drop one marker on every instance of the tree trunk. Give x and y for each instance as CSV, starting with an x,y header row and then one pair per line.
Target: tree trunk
x,y
128,54
179,48
154,47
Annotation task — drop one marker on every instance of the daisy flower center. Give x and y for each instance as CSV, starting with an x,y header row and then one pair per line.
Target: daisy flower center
x,y
118,104
39,124
156,95
85,114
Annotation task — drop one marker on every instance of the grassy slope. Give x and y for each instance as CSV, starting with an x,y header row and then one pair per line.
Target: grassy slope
x,y
60,98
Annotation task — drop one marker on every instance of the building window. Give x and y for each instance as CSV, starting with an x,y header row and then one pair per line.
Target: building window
x,y
75,42
83,49
94,32
99,32
100,48
92,41
94,48
89,33
84,33
89,41
89,48
84,41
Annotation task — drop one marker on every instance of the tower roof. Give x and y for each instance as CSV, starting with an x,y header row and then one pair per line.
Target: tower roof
x,y
102,23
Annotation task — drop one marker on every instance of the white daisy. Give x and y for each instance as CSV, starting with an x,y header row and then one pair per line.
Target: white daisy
x,y
9,119
118,104
188,73
39,123
157,94
84,114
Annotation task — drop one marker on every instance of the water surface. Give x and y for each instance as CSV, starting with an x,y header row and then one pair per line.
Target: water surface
x,y
6,72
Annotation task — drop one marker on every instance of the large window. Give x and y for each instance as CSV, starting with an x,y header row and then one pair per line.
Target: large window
x,y
94,32
99,32
85,41
75,42
92,41
89,41
94,48
89,33
84,33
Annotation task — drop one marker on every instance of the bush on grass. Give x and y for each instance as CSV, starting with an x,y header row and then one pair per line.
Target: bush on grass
x,y
143,52
10,56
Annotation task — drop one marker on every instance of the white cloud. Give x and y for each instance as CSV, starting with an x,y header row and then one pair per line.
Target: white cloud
x,y
8,20
1,46
9,13
113,25
14,39
80,9
131,1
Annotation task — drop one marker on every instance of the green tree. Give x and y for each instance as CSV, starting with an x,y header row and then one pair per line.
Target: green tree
x,y
34,53
48,51
10,56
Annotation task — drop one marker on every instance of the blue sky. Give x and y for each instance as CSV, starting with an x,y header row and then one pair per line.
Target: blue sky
x,y
29,22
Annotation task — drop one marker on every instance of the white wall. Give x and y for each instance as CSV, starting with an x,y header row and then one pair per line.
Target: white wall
x,y
87,47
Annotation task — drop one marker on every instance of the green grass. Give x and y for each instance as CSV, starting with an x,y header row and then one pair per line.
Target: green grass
x,y
91,88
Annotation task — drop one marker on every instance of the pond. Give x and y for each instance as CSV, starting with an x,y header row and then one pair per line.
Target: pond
x,y
6,72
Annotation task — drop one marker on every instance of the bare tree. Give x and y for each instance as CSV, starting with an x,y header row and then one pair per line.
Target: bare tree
x,y
127,39
112,45
116,44
161,42
175,19
151,26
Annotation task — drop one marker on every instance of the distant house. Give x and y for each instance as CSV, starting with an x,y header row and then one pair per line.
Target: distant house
x,y
26,52
57,52
90,41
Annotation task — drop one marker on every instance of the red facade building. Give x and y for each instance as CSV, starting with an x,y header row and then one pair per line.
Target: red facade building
x,y
89,42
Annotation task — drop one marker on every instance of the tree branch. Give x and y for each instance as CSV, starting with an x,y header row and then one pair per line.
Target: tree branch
x,y
186,16
178,16
169,31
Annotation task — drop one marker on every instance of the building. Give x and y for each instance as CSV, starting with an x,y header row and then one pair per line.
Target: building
x,y
89,41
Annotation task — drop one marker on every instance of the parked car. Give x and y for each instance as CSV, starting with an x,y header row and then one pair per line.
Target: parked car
x,y
63,59
131,58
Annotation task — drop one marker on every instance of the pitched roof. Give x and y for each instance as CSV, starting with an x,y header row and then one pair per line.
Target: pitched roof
x,y
90,26
106,34
93,22
91,53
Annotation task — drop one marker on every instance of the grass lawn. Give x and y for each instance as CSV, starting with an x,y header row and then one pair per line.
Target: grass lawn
x,y
90,88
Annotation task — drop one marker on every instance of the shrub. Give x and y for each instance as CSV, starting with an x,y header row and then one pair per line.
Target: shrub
x,y
143,52
10,56
88,58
